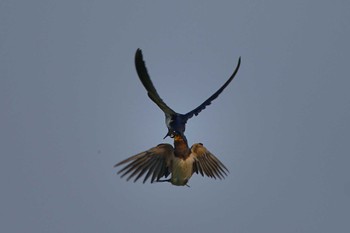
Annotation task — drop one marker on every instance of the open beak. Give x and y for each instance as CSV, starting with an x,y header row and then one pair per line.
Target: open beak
x,y
169,134
166,135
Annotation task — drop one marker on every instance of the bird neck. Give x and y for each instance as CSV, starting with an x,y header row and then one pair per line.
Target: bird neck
x,y
181,147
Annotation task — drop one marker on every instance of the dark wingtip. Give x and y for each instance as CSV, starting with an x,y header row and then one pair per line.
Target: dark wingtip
x,y
239,63
237,67
138,52
116,165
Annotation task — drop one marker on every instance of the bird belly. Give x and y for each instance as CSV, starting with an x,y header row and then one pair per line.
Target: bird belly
x,y
182,171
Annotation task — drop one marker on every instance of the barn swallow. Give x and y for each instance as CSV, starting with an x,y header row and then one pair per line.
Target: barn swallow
x,y
180,161
175,122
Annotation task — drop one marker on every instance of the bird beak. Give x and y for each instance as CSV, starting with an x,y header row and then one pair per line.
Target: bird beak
x,y
169,134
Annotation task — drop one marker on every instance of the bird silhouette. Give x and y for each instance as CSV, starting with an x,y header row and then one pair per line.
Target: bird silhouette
x,y
180,161
175,122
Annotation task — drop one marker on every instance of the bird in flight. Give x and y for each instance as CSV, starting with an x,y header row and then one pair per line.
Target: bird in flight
x,y
180,161
175,122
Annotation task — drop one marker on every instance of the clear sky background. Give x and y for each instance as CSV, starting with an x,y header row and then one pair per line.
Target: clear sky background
x,y
72,106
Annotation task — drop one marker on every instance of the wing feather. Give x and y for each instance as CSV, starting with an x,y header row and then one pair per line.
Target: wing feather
x,y
152,162
147,83
201,107
206,163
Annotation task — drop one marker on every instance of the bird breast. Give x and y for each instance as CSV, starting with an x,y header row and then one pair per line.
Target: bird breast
x,y
182,170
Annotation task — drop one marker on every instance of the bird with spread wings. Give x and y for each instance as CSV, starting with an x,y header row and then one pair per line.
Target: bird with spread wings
x,y
176,122
179,161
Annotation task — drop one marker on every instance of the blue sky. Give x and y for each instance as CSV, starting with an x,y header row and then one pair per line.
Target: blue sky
x,y
72,107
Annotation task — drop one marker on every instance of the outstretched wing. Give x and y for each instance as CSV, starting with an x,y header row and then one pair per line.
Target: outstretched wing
x,y
154,161
206,163
201,107
147,83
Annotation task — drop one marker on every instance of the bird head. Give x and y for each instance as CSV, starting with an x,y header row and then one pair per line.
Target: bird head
x,y
173,133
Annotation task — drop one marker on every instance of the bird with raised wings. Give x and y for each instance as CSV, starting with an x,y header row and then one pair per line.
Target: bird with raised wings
x,y
180,161
176,122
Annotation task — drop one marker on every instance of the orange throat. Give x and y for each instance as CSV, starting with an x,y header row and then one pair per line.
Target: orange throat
x,y
181,147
